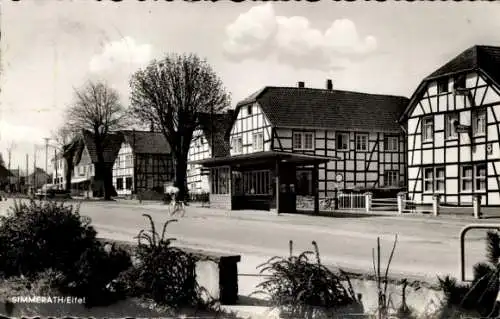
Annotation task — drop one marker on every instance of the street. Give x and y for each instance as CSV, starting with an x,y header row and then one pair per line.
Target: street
x,y
426,246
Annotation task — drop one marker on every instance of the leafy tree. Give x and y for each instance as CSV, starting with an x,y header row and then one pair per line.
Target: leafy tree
x,y
170,93
2,162
97,109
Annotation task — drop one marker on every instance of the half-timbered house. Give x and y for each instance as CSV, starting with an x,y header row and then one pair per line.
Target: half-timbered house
x,y
296,141
212,127
143,164
453,130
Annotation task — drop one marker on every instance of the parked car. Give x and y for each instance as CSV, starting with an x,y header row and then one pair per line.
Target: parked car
x,y
49,192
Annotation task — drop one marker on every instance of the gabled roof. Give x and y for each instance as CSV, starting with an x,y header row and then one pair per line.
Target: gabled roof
x,y
485,58
218,125
479,57
321,108
146,142
111,145
39,171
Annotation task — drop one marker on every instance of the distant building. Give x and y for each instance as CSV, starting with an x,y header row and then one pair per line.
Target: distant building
x,y
453,131
201,147
38,178
143,163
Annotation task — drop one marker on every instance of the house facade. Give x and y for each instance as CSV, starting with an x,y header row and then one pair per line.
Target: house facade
x,y
287,143
144,163
202,147
59,176
453,131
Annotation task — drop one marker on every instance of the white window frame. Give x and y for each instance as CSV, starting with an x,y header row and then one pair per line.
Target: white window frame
x,y
427,121
237,144
480,178
450,129
359,142
479,114
258,141
469,179
439,179
391,146
299,141
342,135
391,178
427,180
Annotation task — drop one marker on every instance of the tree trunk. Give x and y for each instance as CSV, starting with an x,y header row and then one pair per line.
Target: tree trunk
x,y
103,173
180,176
68,170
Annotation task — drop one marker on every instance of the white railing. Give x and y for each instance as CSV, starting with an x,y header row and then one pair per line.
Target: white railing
x,y
384,204
352,201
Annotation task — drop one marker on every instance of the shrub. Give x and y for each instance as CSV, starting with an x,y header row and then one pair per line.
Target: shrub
x,y
163,273
41,238
301,288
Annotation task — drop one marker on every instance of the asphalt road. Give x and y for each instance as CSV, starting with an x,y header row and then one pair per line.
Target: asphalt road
x,y
426,246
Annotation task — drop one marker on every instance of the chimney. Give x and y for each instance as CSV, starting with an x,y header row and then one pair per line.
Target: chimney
x,y
329,84
301,84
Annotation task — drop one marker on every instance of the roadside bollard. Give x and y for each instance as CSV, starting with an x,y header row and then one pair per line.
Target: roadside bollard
x,y
368,201
476,206
435,204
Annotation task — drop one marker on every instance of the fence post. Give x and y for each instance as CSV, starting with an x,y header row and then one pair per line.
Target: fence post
x,y
401,197
368,201
476,205
435,204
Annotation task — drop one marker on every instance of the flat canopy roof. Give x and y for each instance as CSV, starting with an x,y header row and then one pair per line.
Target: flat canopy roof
x,y
265,157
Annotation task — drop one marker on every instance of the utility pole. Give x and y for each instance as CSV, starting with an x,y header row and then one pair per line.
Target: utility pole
x,y
46,156
56,163
34,169
27,171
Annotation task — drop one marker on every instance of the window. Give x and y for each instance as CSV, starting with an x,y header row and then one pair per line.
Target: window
x,y
391,178
119,183
304,182
361,142
427,129
249,109
342,140
459,82
220,180
479,122
434,179
256,182
258,141
450,128
466,177
128,182
440,180
302,141
297,141
130,161
480,177
442,86
237,144
391,143
428,179
122,161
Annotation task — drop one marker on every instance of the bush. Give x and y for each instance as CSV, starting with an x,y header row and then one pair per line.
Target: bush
x,y
300,288
478,299
163,273
41,237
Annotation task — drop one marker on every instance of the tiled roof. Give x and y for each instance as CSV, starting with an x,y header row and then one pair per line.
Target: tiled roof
x,y
222,123
146,142
485,58
320,108
479,57
111,145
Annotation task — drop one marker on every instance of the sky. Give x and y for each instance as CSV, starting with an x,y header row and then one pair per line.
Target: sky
x,y
49,48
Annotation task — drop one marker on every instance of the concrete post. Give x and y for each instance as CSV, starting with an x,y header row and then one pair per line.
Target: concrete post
x,y
401,205
368,201
435,204
476,206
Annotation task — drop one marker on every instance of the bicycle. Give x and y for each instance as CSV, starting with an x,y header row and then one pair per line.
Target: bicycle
x,y
177,207
327,203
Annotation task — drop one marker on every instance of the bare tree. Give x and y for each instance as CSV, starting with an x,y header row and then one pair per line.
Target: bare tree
x,y
97,109
170,93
